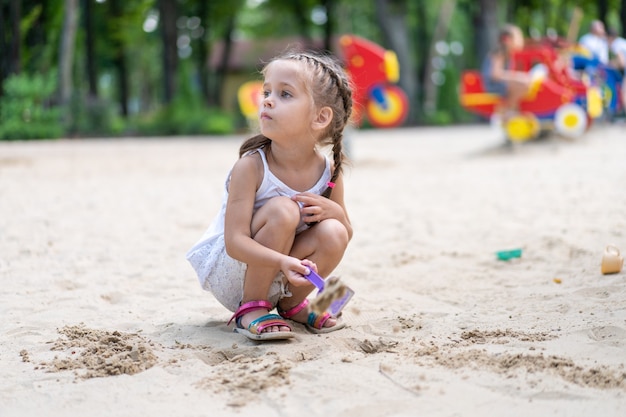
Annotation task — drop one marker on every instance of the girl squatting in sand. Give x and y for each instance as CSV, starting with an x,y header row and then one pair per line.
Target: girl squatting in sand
x,y
283,211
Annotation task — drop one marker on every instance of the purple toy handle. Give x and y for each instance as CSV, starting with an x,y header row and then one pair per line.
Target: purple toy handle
x,y
337,305
315,279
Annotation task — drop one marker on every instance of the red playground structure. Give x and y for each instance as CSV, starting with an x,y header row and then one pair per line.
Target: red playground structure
x,y
373,72
556,101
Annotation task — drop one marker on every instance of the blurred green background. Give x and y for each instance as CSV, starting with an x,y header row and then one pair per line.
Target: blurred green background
x,y
85,68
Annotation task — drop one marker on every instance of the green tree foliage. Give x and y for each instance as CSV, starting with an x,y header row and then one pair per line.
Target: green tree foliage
x,y
126,70
25,110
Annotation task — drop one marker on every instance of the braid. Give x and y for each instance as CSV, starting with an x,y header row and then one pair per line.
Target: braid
x,y
338,161
343,87
330,93
346,95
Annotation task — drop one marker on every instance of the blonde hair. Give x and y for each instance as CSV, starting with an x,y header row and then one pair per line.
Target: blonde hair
x,y
512,31
329,86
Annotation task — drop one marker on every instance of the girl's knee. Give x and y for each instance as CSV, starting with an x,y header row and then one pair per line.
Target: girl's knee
x,y
281,211
333,234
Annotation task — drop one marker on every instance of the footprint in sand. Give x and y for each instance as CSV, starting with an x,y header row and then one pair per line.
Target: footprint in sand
x,y
608,335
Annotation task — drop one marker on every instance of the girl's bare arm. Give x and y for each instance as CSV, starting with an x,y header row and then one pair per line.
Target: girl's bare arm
x,y
245,179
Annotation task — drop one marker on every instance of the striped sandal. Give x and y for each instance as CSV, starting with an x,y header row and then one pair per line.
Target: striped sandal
x,y
315,322
254,331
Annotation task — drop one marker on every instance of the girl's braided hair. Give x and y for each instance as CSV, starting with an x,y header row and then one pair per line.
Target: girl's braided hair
x,y
329,86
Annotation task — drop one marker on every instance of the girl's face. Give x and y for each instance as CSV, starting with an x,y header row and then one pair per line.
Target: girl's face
x,y
286,109
517,39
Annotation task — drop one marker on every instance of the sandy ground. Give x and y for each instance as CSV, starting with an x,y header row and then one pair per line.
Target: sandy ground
x,y
102,315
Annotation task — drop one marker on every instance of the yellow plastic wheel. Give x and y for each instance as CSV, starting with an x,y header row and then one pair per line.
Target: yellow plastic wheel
x,y
570,120
522,127
391,108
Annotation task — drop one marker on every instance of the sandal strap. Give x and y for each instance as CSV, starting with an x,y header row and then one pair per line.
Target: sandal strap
x,y
295,310
317,321
314,320
257,326
251,306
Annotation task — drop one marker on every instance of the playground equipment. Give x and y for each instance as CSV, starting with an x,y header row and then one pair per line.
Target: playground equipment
x,y
373,72
606,78
555,101
249,98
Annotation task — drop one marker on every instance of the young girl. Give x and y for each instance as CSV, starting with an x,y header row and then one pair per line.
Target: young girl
x,y
498,78
283,212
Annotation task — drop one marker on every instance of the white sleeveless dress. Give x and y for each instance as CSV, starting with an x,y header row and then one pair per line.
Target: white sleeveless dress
x,y
222,275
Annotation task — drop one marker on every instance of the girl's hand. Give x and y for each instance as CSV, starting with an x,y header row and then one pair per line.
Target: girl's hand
x,y
315,208
295,270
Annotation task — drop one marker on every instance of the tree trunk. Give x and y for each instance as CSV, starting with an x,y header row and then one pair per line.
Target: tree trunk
x,y
122,74
224,62
421,40
38,36
66,51
89,48
391,16
119,59
329,26
203,52
15,46
603,9
486,24
439,34
168,16
4,70
300,13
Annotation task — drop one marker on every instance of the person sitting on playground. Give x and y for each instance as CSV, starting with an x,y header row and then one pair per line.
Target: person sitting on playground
x,y
617,45
499,78
618,49
595,42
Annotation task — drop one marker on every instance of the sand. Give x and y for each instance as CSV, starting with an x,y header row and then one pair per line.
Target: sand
x,y
102,315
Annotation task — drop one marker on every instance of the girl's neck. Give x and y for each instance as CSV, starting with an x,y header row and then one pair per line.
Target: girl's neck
x,y
298,168
290,157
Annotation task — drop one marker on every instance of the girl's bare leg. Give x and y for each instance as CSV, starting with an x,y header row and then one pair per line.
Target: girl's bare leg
x,y
517,90
324,244
274,227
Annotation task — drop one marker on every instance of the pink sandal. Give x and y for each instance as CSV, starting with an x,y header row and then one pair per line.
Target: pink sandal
x,y
256,327
315,322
